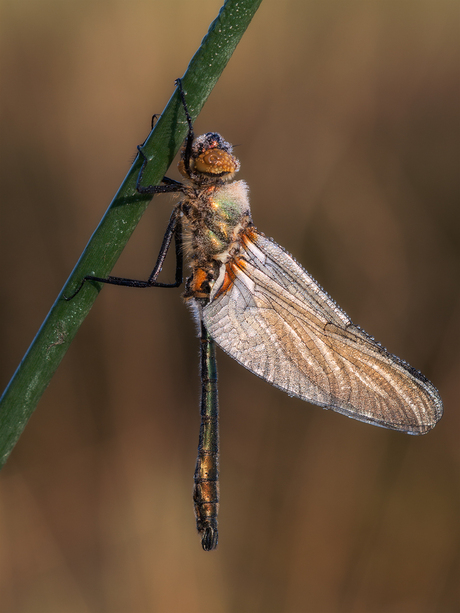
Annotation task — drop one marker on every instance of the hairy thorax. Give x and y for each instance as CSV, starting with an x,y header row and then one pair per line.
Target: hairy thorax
x,y
213,218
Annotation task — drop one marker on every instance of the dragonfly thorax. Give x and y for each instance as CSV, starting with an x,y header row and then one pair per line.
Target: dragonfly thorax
x,y
213,219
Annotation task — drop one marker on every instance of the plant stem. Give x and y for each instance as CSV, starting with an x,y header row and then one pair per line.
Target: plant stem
x,y
113,232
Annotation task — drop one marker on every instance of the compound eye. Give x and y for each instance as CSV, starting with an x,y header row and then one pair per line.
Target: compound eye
x,y
216,161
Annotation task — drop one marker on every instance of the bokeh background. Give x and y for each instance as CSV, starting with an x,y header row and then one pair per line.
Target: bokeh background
x,y
347,119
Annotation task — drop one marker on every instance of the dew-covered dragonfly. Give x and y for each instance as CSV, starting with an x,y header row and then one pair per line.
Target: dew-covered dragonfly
x,y
251,298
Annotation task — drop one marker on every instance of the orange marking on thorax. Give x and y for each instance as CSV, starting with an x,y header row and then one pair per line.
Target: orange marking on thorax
x,y
199,277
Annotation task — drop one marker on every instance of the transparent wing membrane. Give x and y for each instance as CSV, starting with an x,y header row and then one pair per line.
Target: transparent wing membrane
x,y
277,322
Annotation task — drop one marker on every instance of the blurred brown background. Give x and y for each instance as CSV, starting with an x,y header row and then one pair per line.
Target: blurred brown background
x,y
346,117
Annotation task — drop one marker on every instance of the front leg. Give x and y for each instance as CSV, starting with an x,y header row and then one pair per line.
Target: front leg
x,y
171,185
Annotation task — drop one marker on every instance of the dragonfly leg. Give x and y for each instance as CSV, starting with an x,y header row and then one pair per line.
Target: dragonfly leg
x,y
171,185
190,135
173,230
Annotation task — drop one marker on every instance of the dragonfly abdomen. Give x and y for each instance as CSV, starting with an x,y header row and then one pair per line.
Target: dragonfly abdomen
x,y
206,488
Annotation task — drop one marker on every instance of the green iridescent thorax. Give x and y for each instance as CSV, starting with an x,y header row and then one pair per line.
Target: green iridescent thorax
x,y
215,218
228,205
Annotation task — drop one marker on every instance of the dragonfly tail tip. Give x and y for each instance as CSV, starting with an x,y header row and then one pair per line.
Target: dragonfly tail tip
x,y
209,539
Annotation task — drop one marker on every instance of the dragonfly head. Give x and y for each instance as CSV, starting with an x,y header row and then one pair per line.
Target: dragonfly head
x,y
211,160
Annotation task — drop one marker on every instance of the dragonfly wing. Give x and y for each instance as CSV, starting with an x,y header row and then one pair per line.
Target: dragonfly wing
x,y
270,315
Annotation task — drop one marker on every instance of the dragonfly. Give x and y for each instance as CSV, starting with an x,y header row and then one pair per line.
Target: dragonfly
x,y
252,299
